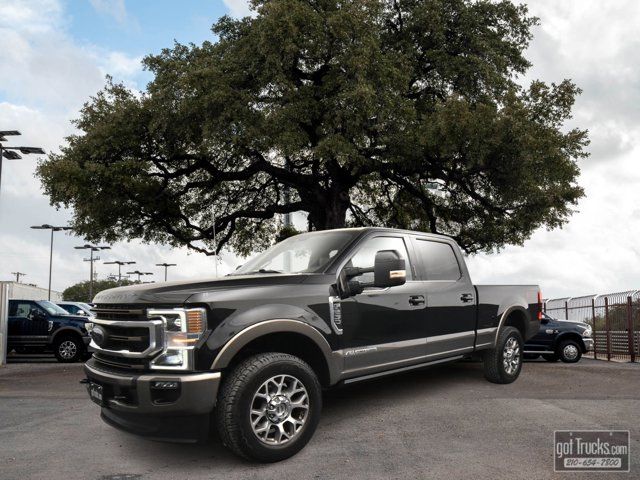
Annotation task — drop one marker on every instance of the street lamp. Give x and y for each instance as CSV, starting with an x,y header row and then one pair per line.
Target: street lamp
x,y
120,263
92,248
139,273
166,266
46,226
10,153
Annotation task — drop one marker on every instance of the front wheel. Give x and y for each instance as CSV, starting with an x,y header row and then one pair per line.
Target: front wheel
x,y
68,349
570,351
503,363
269,407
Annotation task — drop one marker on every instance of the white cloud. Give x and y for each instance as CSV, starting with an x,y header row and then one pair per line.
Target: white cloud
x,y
113,8
239,8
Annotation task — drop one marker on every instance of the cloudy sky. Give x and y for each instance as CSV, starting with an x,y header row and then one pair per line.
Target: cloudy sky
x,y
55,54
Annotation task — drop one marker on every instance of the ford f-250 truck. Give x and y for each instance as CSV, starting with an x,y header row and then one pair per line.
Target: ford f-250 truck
x,y
253,350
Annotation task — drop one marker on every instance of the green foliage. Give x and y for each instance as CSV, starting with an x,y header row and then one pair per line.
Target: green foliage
x,y
80,291
359,112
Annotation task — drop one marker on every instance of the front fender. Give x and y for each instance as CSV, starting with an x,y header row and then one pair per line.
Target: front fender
x,y
67,329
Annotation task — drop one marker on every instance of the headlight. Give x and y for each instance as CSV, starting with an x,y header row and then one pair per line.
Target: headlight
x,y
587,332
182,330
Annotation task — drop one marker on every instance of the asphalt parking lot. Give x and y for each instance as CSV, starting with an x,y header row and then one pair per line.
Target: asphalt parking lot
x,y
445,422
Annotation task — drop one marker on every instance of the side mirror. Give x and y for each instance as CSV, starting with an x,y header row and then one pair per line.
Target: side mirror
x,y
389,269
37,315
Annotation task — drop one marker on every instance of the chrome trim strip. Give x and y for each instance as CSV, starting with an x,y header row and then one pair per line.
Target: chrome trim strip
x,y
490,330
490,344
450,336
541,352
155,337
402,369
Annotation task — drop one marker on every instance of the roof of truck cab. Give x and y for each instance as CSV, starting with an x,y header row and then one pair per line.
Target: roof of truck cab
x,y
386,229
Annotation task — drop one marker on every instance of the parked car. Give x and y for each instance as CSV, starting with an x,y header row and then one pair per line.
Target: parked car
x,y
254,348
76,308
560,340
38,326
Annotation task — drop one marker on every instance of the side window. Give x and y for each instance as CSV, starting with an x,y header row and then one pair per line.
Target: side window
x,y
366,255
20,309
438,259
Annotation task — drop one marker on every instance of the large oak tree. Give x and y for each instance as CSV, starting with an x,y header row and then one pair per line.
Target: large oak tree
x,y
403,113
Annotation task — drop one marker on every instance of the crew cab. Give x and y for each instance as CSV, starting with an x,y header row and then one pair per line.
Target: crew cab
x,y
564,340
252,350
38,326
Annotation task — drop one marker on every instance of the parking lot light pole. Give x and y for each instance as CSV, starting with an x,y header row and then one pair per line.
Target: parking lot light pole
x,y
53,229
139,273
92,248
10,153
120,263
166,266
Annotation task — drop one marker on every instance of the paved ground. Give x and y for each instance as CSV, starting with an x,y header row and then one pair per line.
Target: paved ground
x,y
446,422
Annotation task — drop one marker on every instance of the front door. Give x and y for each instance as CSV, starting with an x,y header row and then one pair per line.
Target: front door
x,y
382,328
25,325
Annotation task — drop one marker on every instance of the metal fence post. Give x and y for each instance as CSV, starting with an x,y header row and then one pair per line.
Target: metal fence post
x,y
595,331
606,326
566,309
632,351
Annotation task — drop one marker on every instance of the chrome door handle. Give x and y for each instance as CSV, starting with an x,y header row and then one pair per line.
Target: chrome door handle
x,y
466,297
416,300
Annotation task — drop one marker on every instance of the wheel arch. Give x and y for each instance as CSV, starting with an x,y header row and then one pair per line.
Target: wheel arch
x,y
569,336
65,331
517,317
285,336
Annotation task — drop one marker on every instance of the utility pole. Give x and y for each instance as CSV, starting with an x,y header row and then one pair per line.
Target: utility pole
x,y
166,266
120,263
91,259
18,275
53,229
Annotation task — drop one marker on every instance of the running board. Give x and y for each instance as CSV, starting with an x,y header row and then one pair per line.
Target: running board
x,y
402,369
539,352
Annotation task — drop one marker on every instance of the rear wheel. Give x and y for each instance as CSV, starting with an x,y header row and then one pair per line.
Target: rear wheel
x,y
68,349
569,351
269,407
503,363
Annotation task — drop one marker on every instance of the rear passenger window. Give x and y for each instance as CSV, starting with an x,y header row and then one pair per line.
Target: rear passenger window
x,y
438,259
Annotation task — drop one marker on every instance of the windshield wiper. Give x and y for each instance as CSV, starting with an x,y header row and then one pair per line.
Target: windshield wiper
x,y
262,270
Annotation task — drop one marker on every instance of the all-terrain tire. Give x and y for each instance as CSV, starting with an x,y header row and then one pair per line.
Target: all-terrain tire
x,y
503,363
236,402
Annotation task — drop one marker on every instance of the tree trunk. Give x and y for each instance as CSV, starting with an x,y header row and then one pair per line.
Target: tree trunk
x,y
329,209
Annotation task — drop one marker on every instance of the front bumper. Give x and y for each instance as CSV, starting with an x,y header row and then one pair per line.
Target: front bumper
x,y
588,344
132,403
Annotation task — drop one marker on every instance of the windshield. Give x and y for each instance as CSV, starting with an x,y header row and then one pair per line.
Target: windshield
x,y
304,253
52,308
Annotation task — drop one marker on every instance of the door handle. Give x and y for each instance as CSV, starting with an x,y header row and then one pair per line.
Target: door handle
x,y
466,297
416,300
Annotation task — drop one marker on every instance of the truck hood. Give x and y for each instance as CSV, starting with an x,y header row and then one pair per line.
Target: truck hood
x,y
179,292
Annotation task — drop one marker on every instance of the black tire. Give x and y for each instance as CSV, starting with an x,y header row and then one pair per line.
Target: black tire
x,y
237,396
551,357
494,360
569,351
68,348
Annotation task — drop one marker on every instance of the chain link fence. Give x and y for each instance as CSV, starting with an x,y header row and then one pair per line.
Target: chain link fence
x,y
614,317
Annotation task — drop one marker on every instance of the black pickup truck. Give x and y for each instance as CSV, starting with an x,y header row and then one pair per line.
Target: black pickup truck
x,y
560,340
38,326
253,350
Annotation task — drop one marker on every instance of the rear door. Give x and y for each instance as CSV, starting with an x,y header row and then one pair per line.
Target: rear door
x,y
383,328
451,303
